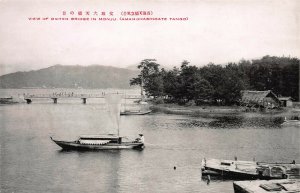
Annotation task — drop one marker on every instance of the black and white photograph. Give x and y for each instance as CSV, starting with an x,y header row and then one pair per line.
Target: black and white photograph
x,y
149,96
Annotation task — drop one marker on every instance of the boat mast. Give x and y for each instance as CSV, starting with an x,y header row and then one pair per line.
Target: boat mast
x,y
119,116
142,85
118,130
125,103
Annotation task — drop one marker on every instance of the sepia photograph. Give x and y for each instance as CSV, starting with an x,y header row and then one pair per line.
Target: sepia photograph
x,y
149,96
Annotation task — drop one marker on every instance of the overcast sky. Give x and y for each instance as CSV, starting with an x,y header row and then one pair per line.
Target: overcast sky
x,y
216,31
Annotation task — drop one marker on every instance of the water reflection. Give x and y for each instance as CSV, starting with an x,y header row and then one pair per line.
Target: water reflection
x,y
242,122
234,122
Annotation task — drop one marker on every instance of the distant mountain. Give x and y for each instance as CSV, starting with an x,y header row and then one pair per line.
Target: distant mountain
x,y
132,67
60,76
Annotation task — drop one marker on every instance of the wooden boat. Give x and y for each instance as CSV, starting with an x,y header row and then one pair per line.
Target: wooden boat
x,y
104,142
250,170
7,100
264,186
143,108
294,121
135,112
99,142
230,168
278,170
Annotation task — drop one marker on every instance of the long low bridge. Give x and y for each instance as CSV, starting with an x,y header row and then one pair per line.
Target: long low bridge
x,y
29,97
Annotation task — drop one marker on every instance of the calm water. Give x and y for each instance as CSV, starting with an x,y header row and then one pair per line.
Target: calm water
x,y
31,162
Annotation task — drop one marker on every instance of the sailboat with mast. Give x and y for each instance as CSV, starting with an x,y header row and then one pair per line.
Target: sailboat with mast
x,y
108,141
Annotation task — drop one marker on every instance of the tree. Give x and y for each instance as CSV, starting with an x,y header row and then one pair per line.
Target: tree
x,y
150,78
220,83
279,74
214,74
203,90
232,84
171,84
188,77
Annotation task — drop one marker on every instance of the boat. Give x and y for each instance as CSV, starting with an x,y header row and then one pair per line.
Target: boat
x,y
7,100
104,141
143,108
264,186
278,170
229,168
250,170
293,121
135,112
99,142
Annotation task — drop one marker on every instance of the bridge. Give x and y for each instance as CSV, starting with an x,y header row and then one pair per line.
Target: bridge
x,y
30,97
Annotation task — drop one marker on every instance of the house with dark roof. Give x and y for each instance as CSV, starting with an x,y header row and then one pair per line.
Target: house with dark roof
x,y
262,99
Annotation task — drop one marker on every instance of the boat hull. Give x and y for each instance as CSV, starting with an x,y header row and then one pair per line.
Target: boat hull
x,y
135,113
249,170
8,100
226,174
73,145
291,122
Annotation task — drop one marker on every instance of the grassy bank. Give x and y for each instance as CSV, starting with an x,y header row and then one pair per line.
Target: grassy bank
x,y
215,111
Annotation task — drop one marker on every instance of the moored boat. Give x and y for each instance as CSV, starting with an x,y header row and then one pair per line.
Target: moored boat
x,y
230,168
7,100
249,170
135,112
293,121
141,108
264,186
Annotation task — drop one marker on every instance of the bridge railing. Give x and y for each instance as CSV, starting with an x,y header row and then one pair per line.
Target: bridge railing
x,y
77,95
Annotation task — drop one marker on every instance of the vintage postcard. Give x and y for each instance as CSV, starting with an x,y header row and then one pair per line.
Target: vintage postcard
x,y
153,96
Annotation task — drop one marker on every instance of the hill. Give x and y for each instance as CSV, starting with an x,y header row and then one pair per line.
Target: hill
x,y
60,76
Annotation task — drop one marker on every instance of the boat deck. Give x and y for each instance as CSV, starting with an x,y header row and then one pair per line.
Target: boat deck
x,y
248,167
76,145
250,170
264,186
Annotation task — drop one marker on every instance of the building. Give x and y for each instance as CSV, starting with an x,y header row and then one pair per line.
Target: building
x,y
262,99
286,101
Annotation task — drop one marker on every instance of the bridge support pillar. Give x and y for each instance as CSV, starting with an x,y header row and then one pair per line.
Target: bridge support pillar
x,y
54,100
84,100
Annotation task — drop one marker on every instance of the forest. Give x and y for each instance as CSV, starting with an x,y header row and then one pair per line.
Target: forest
x,y
215,83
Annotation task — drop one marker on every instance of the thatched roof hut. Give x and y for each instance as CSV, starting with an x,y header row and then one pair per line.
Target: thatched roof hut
x,y
266,99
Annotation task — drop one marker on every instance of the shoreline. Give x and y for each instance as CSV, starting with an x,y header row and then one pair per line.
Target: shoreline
x,y
220,111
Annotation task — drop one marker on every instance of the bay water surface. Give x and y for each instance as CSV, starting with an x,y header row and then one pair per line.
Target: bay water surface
x,y
31,162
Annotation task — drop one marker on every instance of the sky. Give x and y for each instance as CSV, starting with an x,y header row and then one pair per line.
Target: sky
x,y
217,31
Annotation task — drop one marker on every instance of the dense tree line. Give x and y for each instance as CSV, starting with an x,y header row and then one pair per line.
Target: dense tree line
x,y
218,83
